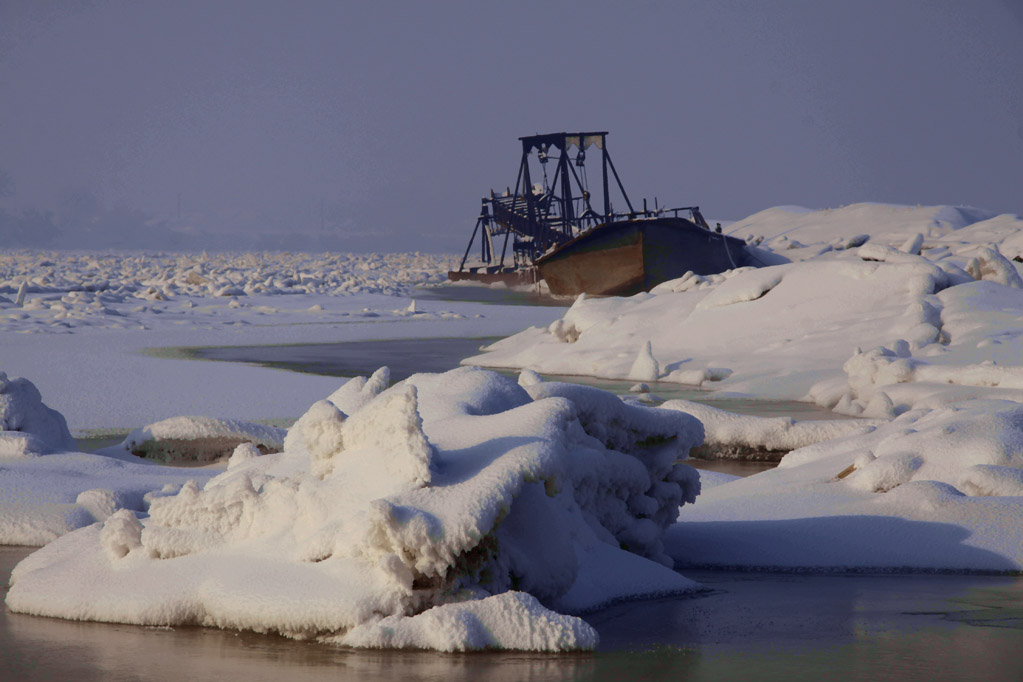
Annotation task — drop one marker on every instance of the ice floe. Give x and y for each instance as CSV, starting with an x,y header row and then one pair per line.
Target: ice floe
x,y
84,325
934,489
48,489
180,440
27,426
454,511
734,436
55,292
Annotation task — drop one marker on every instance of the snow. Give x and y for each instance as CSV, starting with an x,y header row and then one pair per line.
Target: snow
x,y
908,318
199,439
787,331
47,489
466,510
734,436
27,426
512,620
44,497
931,490
83,326
90,321
418,520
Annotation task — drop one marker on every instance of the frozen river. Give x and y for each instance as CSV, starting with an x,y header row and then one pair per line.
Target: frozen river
x,y
782,626
765,626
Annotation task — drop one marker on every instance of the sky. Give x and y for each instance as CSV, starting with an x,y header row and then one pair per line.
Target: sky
x,y
246,123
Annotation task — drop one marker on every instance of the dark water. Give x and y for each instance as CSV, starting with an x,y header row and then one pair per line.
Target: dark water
x,y
407,356
748,626
669,391
404,356
93,443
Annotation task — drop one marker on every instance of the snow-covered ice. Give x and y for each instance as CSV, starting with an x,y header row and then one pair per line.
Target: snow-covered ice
x,y
200,439
949,306
733,436
47,489
466,510
80,326
932,490
910,319
88,321
419,519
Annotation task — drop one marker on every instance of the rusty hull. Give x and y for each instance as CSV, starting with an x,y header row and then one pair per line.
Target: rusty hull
x,y
625,258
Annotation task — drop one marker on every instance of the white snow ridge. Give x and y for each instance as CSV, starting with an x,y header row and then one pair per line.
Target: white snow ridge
x,y
453,511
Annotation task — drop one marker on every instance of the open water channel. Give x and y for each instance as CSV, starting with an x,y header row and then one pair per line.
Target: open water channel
x,y
746,625
757,626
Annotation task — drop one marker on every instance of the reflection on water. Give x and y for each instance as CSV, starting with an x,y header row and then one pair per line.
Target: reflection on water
x,y
747,626
404,357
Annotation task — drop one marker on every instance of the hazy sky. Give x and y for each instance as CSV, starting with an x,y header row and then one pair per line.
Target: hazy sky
x,y
397,116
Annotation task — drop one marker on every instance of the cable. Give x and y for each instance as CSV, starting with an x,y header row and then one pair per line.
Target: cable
x,y
730,259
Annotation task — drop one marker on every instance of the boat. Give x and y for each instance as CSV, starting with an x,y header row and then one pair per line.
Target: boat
x,y
571,236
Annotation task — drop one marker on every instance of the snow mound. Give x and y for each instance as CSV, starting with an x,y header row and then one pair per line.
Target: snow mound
x,y
645,367
934,489
27,426
990,264
775,331
43,498
992,480
441,491
738,436
199,439
943,444
513,620
358,391
890,223
750,287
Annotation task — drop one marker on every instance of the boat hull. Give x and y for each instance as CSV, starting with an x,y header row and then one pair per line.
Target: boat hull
x,y
625,258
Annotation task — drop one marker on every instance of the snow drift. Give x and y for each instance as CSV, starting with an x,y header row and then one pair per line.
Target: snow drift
x,y
418,519
934,285
199,439
47,489
934,489
27,426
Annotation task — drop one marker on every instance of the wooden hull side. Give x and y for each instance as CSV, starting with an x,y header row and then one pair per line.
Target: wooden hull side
x,y
621,259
